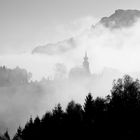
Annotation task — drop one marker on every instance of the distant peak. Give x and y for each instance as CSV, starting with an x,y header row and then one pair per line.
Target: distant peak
x,y
121,18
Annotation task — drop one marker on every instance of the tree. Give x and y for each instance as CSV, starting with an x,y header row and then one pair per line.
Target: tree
x,y
89,108
37,121
126,93
74,110
6,135
18,134
74,119
57,111
28,131
100,105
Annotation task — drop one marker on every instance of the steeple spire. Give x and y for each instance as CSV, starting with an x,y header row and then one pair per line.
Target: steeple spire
x,y
86,63
85,58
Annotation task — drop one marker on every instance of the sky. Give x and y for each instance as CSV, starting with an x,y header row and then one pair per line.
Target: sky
x,y
26,24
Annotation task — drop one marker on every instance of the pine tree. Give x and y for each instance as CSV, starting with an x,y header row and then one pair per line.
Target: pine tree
x,y
89,107
6,135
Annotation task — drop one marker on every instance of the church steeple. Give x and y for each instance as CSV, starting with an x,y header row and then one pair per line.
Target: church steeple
x,y
86,63
85,58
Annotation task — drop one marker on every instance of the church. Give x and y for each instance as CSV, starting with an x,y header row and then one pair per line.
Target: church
x,y
81,72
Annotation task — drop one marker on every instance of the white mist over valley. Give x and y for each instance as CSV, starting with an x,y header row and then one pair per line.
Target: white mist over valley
x,y
113,49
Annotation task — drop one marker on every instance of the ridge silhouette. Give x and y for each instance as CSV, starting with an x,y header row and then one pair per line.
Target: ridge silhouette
x,y
115,117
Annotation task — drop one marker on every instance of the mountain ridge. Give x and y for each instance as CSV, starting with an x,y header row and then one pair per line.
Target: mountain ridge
x,y
119,19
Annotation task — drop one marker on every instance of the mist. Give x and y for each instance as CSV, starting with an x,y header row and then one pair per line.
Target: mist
x,y
112,53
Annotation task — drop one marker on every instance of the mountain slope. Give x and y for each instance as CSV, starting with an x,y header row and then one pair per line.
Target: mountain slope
x,y
56,48
121,18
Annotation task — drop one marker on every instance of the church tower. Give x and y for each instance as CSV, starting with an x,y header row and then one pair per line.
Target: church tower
x,y
86,64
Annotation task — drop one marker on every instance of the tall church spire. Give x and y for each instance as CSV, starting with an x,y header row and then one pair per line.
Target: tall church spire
x,y
85,58
86,63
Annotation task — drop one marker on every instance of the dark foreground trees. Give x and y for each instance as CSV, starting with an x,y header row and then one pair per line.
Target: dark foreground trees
x,y
115,117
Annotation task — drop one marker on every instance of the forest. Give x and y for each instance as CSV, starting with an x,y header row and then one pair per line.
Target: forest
x,y
114,117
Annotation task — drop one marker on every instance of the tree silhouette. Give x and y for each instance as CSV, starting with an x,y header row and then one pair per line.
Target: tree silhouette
x,y
74,118
6,135
58,112
18,134
117,117
89,108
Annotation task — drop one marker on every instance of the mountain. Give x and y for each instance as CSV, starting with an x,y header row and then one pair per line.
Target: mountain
x,y
121,18
56,48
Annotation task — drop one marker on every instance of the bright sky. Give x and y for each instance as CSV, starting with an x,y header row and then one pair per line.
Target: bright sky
x,y
25,24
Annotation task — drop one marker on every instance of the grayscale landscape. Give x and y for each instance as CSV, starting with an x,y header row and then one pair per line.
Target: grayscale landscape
x,y
71,65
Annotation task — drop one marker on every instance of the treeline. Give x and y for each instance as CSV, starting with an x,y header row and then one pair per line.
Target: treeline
x,y
13,77
115,117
